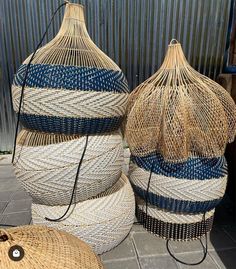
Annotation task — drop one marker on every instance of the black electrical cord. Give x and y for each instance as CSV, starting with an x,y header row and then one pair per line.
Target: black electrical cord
x,y
26,74
73,196
148,187
205,248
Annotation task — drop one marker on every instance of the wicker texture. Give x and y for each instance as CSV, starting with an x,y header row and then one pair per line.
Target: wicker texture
x,y
46,248
180,194
173,226
102,222
72,87
180,113
204,168
93,104
46,165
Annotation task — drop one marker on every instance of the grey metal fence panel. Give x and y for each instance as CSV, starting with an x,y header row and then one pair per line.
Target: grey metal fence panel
x,y
135,33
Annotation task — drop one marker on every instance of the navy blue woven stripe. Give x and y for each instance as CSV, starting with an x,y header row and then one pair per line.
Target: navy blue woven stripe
x,y
72,78
193,168
175,205
81,126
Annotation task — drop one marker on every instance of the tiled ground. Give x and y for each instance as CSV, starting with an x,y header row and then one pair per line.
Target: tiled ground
x,y
140,250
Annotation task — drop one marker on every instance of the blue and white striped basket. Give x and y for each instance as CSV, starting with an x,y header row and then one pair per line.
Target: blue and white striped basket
x,y
72,87
191,187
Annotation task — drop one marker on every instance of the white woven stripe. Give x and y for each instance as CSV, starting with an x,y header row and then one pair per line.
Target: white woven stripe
x,y
70,103
101,222
48,172
166,216
181,189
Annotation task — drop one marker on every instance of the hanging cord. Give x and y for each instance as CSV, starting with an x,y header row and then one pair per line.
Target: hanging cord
x,y
148,187
146,194
205,248
73,195
26,74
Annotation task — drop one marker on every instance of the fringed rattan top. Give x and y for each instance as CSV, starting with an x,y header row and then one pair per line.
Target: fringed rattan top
x,y
180,113
34,139
72,46
38,247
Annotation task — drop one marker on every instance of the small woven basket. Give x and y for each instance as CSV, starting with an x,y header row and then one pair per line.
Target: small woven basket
x,y
72,87
46,165
44,248
167,225
102,222
192,187
180,113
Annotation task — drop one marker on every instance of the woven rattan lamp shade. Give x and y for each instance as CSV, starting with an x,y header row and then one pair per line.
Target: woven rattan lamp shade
x,y
191,187
102,222
46,165
180,113
168,225
72,87
46,248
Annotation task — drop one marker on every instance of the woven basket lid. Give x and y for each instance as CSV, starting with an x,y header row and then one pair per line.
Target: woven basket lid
x,y
37,247
180,113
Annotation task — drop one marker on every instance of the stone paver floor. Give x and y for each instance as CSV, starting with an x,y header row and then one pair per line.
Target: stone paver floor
x,y
140,250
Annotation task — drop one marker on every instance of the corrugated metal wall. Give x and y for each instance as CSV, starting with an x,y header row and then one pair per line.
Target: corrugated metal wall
x,y
135,33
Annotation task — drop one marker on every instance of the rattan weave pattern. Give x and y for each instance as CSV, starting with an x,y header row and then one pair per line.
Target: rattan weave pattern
x,y
102,222
46,166
173,226
174,231
192,168
92,104
178,195
46,248
72,87
179,113
73,40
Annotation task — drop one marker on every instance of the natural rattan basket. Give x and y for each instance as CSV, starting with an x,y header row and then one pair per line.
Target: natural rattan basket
x,y
173,226
72,87
46,165
180,113
102,222
44,248
192,187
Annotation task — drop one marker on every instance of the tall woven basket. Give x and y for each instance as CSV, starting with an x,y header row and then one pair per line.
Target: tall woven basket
x,y
102,222
46,165
178,125
180,113
72,87
38,247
